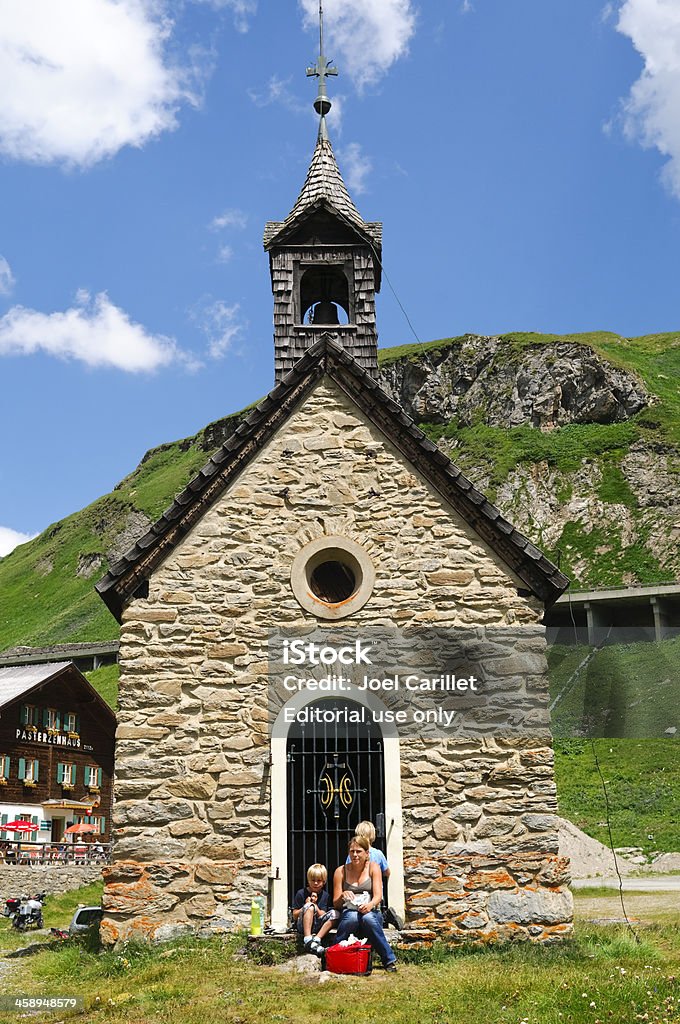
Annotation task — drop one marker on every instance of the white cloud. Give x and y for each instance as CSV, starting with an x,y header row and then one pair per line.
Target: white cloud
x,y
650,112
80,79
229,219
366,36
93,331
243,11
6,277
277,90
356,167
225,253
222,326
11,539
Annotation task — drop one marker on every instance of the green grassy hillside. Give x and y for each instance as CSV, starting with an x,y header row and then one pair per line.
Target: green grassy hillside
x,y
47,585
626,697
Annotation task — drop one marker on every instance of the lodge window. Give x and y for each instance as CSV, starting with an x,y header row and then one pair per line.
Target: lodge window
x,y
93,776
29,770
70,721
51,718
90,819
66,774
29,714
4,767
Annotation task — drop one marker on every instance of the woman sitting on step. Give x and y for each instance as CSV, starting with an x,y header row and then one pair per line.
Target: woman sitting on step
x,y
357,892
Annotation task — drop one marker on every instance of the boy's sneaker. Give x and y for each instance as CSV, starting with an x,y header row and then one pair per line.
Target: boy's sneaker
x,y
394,919
315,947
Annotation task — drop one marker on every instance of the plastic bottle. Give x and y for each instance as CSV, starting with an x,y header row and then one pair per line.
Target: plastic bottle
x,y
255,917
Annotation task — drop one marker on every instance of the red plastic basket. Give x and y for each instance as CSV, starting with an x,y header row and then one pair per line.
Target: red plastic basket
x,y
354,959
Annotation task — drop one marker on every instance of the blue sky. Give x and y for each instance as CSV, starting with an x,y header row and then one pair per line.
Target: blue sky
x,y
524,157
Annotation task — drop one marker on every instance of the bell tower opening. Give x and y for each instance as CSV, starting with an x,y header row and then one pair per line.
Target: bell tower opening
x,y
325,297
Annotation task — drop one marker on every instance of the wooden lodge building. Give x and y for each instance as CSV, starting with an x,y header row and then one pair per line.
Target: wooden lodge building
x,y
57,738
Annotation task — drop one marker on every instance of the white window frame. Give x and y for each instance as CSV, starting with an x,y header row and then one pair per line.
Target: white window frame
x,y
31,714
68,774
52,715
69,723
91,776
29,775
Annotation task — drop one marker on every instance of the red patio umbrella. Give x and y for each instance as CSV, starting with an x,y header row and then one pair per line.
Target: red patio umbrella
x,y
81,827
20,826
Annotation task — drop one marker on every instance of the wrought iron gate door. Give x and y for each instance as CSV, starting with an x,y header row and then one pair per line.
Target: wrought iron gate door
x,y
335,780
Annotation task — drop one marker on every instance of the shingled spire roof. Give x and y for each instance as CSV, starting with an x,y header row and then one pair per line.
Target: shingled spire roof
x,y
324,185
324,181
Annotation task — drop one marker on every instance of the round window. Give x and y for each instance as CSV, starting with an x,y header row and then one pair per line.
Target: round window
x,y
332,577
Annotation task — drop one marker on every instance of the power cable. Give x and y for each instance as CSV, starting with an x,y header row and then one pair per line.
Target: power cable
x,y
434,368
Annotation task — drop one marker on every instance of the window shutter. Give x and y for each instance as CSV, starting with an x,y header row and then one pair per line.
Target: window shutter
x,y
22,767
45,717
99,777
77,723
5,767
36,770
3,821
60,773
57,720
34,819
74,773
24,714
102,825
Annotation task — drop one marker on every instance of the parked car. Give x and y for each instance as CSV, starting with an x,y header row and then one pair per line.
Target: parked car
x,y
85,918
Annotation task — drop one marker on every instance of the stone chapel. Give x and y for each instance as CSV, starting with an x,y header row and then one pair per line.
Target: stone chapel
x,y
326,508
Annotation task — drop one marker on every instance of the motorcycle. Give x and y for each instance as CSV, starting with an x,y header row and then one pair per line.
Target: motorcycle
x,y
11,906
29,914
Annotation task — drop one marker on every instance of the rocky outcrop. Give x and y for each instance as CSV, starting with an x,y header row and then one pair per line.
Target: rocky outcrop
x,y
497,382
604,541
133,527
606,535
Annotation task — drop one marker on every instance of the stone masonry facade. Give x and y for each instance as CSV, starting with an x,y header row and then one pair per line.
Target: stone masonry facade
x,y
192,796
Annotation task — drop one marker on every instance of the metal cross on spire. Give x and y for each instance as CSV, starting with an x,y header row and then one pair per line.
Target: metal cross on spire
x,y
321,70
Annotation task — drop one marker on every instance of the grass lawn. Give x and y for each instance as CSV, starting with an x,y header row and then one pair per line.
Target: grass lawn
x,y
602,975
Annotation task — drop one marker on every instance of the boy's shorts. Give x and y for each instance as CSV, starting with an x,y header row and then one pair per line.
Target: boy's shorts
x,y
330,915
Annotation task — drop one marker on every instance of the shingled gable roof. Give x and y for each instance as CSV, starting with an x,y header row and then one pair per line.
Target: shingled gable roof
x,y
323,186
326,357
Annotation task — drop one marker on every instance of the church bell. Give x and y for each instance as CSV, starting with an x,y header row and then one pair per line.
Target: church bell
x,y
326,313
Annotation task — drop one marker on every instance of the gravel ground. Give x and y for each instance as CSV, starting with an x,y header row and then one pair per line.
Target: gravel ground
x,y
591,859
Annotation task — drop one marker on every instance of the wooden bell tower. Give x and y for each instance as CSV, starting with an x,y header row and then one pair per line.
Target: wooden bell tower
x,y
324,259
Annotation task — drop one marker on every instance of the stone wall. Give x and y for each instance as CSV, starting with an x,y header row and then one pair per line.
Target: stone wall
x,y
52,878
192,774
480,841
